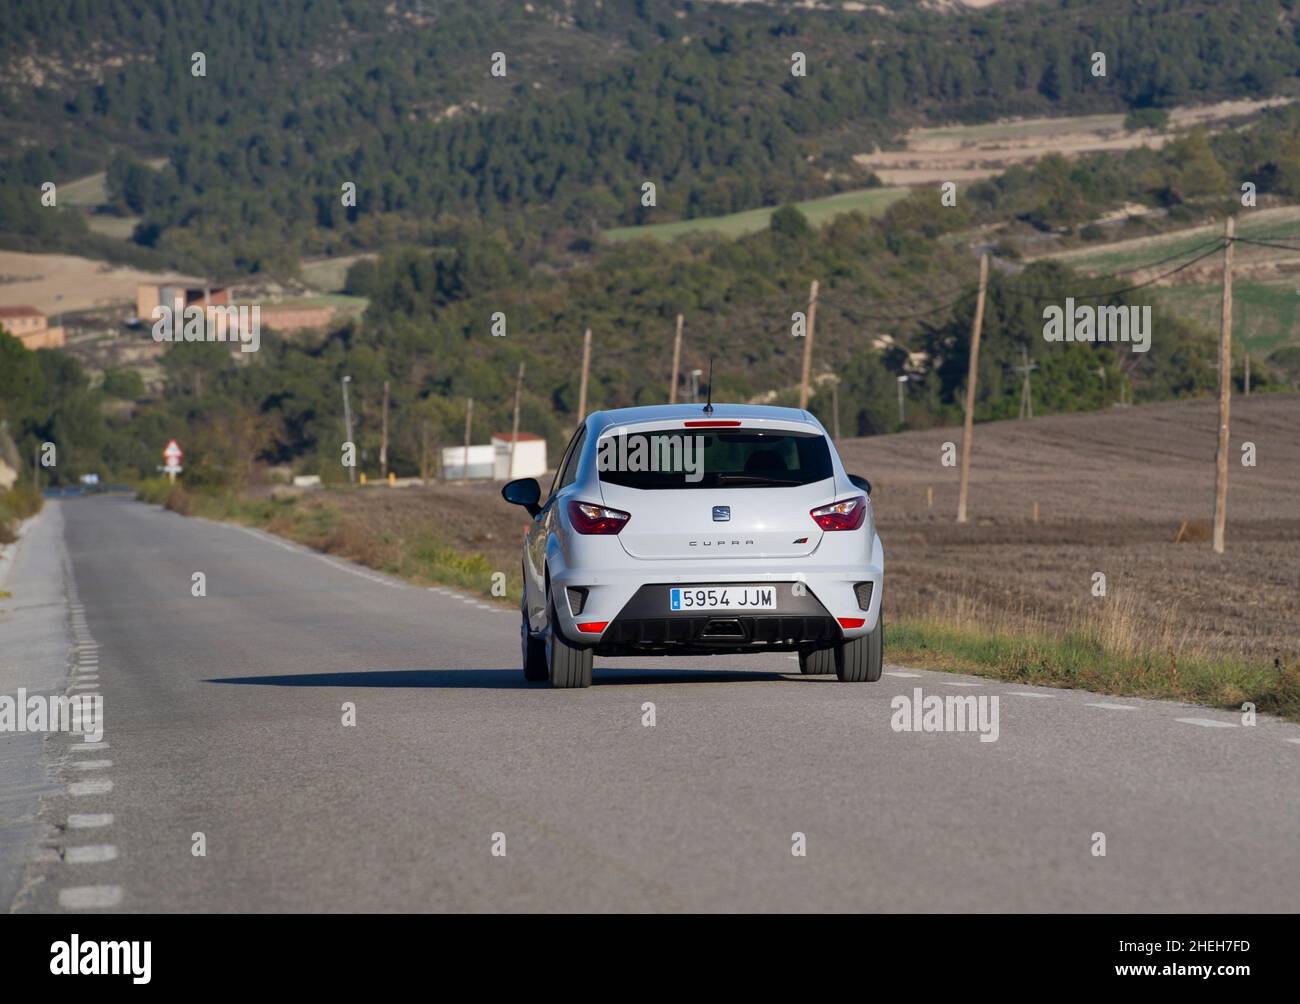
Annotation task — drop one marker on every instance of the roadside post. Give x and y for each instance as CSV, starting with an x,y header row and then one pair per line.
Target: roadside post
x,y
172,454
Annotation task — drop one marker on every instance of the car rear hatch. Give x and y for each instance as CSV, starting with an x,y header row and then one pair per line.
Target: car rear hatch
x,y
720,490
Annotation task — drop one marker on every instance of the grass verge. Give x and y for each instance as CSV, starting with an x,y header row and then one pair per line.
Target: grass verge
x,y
16,505
1087,660
415,554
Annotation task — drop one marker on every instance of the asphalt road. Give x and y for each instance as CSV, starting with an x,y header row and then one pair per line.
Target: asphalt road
x,y
224,717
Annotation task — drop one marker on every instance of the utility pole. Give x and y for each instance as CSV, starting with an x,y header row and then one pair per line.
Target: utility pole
x,y
901,380
514,427
347,422
582,387
677,361
1225,390
1026,388
424,452
469,424
383,442
835,406
1247,380
968,428
808,345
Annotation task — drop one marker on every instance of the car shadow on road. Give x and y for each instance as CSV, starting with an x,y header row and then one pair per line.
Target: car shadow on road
x,y
493,679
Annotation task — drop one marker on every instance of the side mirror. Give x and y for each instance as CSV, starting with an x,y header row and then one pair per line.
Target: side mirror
x,y
525,492
859,481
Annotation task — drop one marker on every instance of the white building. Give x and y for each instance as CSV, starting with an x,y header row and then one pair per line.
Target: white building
x,y
492,462
530,456
481,462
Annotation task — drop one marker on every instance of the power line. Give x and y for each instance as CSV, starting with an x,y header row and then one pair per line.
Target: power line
x,y
1218,246
1267,244
1208,248
1217,242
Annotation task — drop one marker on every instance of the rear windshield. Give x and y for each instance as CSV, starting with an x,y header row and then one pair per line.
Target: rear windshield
x,y
712,458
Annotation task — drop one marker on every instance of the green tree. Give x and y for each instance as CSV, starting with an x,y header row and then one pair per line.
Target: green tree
x,y
123,383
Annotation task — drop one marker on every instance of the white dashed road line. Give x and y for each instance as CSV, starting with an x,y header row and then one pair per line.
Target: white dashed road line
x,y
90,897
96,787
89,820
91,855
1111,707
85,679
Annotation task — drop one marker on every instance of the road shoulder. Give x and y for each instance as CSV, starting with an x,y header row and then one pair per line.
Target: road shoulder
x,y
35,654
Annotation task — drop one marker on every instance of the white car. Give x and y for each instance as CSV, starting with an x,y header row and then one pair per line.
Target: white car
x,y
700,530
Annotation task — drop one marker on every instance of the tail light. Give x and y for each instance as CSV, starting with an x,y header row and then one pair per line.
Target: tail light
x,y
846,515
587,517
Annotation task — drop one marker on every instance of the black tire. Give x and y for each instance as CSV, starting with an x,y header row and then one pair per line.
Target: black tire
x,y
861,660
568,665
534,652
819,662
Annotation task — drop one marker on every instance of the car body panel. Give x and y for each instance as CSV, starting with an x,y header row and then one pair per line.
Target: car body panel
x,y
664,539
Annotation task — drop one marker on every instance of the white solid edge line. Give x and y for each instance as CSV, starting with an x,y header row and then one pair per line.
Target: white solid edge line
x,y
1209,723
268,537
1028,693
909,676
1112,707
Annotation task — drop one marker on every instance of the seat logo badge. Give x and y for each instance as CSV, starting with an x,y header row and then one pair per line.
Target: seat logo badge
x,y
721,513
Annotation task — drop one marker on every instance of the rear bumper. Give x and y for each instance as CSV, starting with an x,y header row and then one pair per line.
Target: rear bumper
x,y
636,616
646,624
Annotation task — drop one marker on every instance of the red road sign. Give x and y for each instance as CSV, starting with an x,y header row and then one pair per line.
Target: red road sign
x,y
172,453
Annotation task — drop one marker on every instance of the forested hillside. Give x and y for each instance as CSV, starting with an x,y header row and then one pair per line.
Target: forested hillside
x,y
300,98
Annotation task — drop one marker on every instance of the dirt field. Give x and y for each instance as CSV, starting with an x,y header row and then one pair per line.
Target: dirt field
x,y
967,153
55,283
1112,490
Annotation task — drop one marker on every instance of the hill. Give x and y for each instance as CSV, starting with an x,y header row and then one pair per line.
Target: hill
x,y
586,102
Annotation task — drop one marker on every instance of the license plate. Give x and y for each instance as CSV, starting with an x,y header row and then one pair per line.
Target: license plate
x,y
723,598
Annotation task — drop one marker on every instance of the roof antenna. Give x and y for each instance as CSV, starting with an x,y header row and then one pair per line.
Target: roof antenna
x,y
708,403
